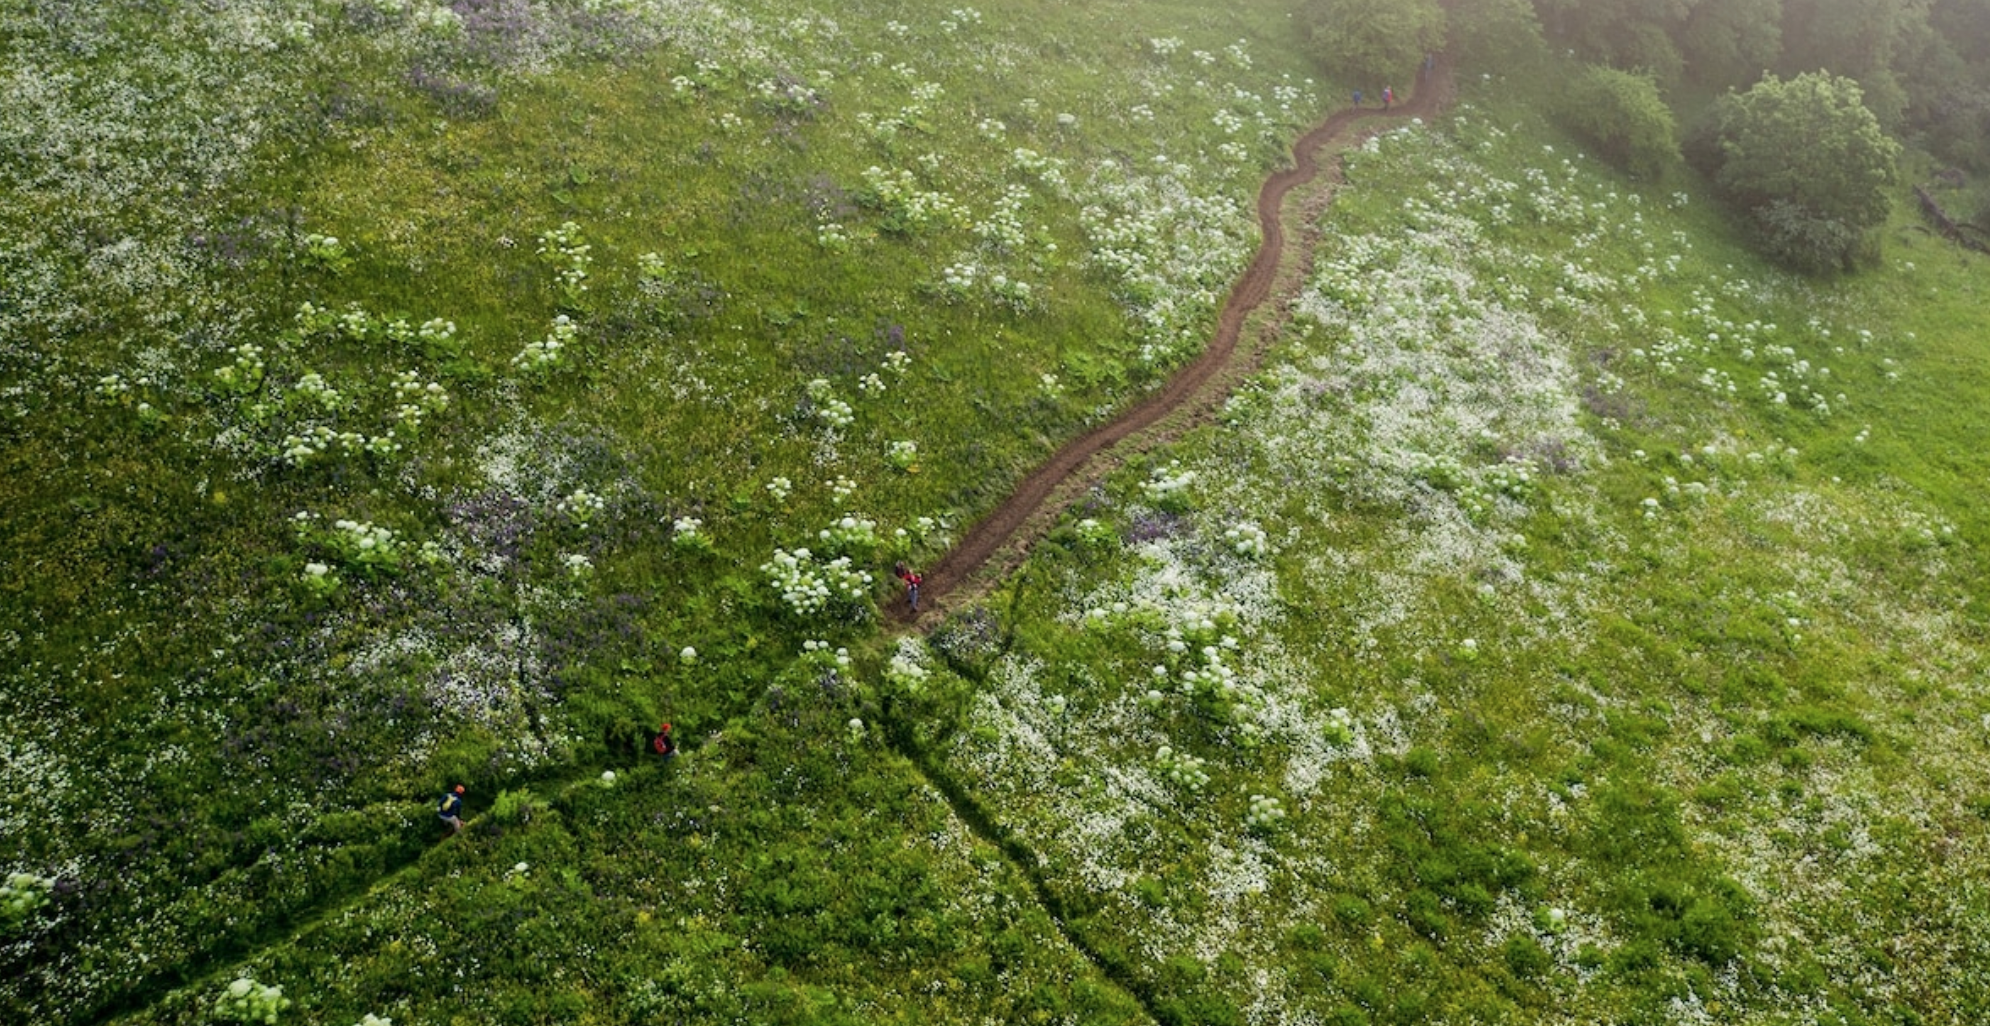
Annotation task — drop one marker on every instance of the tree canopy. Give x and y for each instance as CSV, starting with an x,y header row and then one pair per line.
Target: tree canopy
x,y
1809,161
1377,41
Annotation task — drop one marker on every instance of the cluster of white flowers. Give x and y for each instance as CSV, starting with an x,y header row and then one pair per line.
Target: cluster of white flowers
x,y
245,375
577,564
1168,486
820,653
1339,729
1265,814
569,257
687,533
548,352
832,411
830,235
903,456
437,337
580,506
897,362
809,586
303,447
245,1000
907,669
1170,252
906,206
416,399
779,489
21,896
1183,769
312,387
850,534
1247,540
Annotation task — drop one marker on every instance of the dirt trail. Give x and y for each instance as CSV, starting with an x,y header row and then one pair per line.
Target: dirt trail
x,y
998,543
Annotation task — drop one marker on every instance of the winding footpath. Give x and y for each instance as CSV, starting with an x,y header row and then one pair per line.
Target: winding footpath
x,y
992,548
999,542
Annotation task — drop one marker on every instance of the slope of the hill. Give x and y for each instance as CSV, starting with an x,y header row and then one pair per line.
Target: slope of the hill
x,y
1577,622
400,393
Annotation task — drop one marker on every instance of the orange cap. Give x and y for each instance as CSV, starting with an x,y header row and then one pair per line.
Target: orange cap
x,y
459,788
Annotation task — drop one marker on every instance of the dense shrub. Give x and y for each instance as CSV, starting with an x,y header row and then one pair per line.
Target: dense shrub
x,y
1623,116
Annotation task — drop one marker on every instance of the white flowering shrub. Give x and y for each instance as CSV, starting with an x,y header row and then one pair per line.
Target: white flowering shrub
x,y
21,896
577,565
416,399
311,389
548,352
907,668
1180,768
245,375
687,535
903,456
1247,540
327,252
830,410
819,653
907,209
779,489
245,1000
1093,532
897,362
809,586
851,535
319,579
580,506
1168,487
1264,814
562,249
1339,728
366,545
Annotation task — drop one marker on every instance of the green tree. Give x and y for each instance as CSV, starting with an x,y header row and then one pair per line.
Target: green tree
x,y
1808,161
1377,41
1495,34
1623,116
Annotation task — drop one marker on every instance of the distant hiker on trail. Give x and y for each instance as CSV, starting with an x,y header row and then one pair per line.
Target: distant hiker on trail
x,y
912,583
1388,96
1429,64
661,744
451,810
1357,97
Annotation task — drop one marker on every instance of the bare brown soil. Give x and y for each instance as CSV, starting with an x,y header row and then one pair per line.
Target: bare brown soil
x,y
998,543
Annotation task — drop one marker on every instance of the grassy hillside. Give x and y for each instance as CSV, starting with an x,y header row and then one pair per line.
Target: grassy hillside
x,y
1575,621
1578,622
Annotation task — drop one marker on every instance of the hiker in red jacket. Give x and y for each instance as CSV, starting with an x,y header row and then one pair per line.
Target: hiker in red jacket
x,y
1388,96
912,583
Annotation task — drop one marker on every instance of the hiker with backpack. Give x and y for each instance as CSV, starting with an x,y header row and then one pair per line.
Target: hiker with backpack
x,y
450,810
1388,97
912,583
661,744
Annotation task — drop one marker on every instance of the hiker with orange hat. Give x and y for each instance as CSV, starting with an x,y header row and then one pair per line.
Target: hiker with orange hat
x,y
661,744
451,810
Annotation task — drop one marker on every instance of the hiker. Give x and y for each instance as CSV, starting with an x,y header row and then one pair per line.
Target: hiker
x,y
661,744
1357,98
1388,96
451,810
912,583
1429,64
